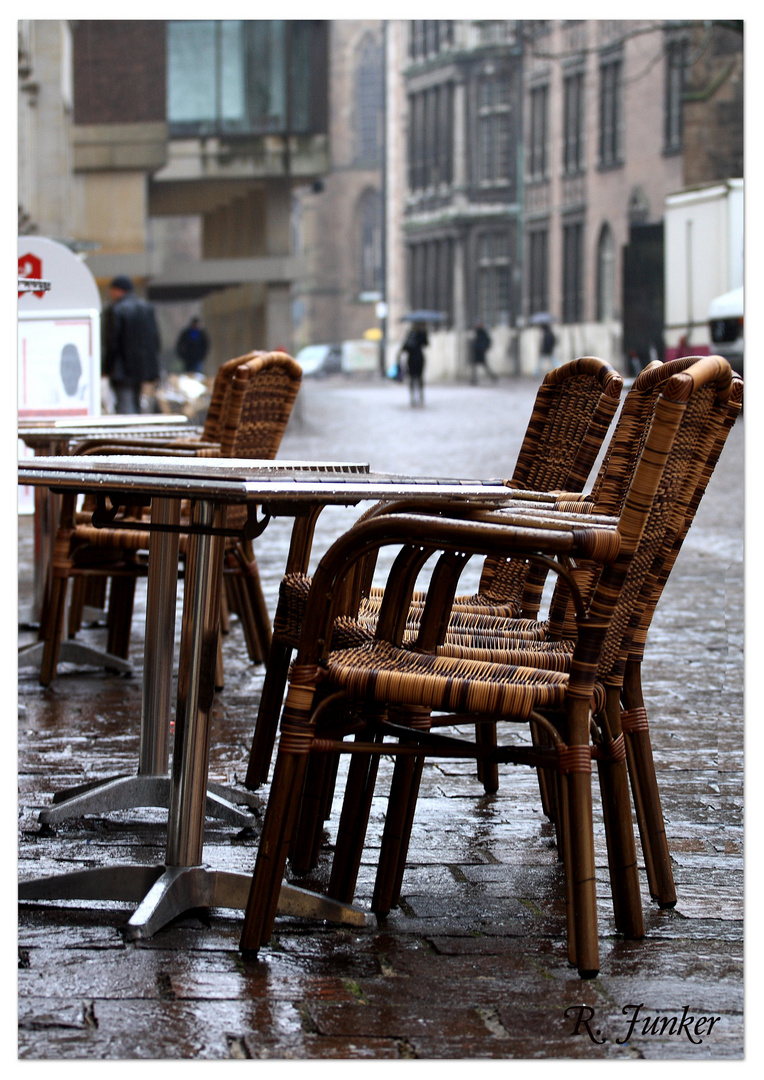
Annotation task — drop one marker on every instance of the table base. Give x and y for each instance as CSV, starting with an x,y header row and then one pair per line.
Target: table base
x,y
163,893
129,792
73,652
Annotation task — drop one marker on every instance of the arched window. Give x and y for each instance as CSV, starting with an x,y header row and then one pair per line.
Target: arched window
x,y
605,274
369,96
370,222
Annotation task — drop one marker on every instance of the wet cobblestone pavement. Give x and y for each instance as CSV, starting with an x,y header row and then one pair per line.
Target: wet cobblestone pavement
x,y
473,962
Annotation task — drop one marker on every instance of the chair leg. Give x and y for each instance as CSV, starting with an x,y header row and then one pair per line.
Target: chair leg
x,y
266,725
279,821
306,845
53,625
619,833
76,605
353,824
120,618
219,670
487,771
579,863
647,799
225,607
399,819
253,588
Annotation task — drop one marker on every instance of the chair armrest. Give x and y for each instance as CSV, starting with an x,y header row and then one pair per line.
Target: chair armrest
x,y
543,538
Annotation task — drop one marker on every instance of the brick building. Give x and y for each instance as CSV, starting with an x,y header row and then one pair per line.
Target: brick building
x,y
181,145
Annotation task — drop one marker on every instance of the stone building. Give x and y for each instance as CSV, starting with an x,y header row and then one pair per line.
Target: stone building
x,y
532,163
338,220
179,145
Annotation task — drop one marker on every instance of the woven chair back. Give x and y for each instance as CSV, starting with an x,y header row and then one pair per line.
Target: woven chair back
x,y
573,410
690,423
666,556
258,405
219,398
615,474
274,383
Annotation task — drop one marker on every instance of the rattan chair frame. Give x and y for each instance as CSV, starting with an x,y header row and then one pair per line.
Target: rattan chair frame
x,y
384,677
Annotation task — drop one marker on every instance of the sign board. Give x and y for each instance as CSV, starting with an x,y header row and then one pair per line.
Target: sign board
x,y
59,339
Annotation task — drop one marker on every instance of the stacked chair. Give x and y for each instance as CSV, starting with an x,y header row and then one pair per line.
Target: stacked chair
x,y
574,408
251,404
579,690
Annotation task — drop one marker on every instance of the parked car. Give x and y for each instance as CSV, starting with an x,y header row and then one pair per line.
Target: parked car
x,y
320,360
725,323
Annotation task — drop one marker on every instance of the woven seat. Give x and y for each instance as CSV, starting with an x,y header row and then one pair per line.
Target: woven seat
x,y
387,690
255,406
574,408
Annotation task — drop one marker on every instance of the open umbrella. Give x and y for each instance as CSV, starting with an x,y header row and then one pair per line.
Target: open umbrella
x,y
424,316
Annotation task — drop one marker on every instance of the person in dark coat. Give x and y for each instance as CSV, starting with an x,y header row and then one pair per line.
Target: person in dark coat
x,y
414,346
192,346
131,345
546,352
481,343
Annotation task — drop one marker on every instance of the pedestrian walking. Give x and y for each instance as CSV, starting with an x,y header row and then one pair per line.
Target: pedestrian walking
x,y
547,356
131,345
414,346
192,346
481,343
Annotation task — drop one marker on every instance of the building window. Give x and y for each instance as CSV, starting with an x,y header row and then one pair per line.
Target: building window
x,y
611,113
573,146
431,137
370,216
428,37
493,278
230,76
493,129
605,274
538,271
369,102
573,272
430,275
676,71
539,133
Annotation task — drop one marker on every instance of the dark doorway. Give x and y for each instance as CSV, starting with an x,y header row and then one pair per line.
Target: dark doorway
x,y
643,295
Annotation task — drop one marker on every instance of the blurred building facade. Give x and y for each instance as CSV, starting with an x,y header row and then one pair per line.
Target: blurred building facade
x,y
206,125
297,182
338,221
532,161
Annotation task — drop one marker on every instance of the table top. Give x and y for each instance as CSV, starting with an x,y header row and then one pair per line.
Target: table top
x,y
107,420
55,439
245,480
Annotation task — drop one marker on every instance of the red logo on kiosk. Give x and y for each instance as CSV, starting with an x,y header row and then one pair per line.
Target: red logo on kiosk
x,y
30,266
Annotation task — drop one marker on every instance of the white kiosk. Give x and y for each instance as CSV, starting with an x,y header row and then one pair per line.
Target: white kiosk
x,y
59,339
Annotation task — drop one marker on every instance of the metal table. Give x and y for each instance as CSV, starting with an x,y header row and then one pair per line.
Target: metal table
x,y
292,489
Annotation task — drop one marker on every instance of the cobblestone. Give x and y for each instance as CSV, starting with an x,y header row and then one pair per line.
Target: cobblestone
x,y
473,963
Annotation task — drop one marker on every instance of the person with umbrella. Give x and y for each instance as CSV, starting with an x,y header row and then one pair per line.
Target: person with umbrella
x,y
414,346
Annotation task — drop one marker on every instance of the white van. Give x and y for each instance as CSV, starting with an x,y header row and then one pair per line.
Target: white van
x,y
725,324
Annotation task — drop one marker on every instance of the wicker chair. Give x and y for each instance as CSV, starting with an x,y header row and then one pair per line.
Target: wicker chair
x,y
549,643
385,689
255,409
574,408
92,590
